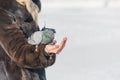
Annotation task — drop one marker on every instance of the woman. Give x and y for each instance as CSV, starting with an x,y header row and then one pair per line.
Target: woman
x,y
20,60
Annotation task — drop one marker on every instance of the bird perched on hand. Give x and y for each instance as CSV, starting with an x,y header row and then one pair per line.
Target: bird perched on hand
x,y
44,36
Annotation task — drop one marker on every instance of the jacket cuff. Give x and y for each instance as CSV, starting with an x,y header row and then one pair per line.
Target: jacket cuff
x,y
51,57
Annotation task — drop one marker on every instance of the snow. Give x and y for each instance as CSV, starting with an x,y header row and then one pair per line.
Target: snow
x,y
92,51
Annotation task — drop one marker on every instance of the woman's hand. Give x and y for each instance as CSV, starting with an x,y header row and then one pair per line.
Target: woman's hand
x,y
53,48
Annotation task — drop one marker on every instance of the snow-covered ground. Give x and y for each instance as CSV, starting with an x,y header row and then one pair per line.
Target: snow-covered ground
x,y
93,48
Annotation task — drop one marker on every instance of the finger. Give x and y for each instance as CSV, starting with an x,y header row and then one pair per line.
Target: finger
x,y
61,45
63,42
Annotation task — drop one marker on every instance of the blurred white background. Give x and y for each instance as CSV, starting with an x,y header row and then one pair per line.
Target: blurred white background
x,y
81,3
93,30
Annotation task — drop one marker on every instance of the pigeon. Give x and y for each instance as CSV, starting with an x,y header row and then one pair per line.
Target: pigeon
x,y
44,36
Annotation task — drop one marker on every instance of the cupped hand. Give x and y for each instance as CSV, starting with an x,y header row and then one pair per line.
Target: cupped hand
x,y
53,48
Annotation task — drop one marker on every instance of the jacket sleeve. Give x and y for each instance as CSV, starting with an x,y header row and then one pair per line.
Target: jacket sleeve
x,y
17,48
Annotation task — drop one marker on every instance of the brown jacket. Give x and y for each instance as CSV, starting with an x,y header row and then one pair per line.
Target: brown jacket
x,y
18,59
